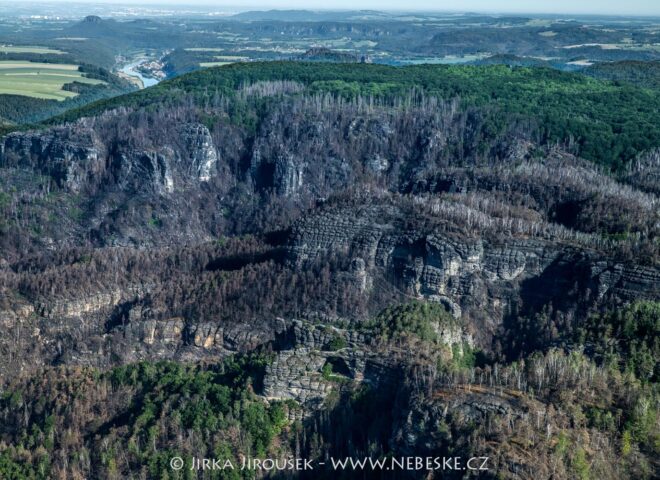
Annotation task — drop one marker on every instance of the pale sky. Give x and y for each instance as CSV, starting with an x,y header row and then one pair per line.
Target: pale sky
x,y
628,7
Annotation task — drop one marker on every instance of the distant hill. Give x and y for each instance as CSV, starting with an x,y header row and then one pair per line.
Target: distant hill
x,y
93,26
141,33
308,15
320,54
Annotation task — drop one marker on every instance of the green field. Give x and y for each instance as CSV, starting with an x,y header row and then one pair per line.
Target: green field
x,y
24,49
40,80
220,60
231,58
213,64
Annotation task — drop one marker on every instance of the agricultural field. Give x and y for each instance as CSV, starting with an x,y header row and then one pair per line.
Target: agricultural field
x,y
40,80
213,64
30,49
220,60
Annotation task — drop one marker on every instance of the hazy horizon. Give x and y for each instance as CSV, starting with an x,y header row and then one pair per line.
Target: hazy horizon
x,y
587,7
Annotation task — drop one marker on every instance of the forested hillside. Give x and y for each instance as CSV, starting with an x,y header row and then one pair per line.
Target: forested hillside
x,y
643,74
319,260
600,121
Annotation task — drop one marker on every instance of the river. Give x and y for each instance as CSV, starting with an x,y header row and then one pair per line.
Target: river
x,y
131,71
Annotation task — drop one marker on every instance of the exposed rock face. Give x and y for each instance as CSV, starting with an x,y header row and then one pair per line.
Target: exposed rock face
x,y
288,175
309,367
477,278
423,427
203,155
70,155
295,374
125,185
311,147
145,170
76,157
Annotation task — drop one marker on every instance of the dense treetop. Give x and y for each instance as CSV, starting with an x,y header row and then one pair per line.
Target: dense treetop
x,y
606,122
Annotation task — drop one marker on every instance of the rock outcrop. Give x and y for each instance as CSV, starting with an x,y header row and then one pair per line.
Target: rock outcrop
x,y
478,278
83,156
